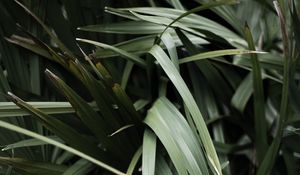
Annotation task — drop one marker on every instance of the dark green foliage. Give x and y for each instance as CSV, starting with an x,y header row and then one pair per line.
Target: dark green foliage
x,y
149,87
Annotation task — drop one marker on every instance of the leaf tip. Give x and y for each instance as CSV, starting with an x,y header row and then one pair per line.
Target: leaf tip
x,y
51,75
13,97
10,94
106,9
83,53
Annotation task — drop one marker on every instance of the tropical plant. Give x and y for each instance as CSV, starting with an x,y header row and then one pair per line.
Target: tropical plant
x,y
205,90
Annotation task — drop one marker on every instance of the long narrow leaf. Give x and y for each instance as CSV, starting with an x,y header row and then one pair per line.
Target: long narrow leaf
x,y
49,32
217,53
60,145
9,109
62,130
259,102
270,157
123,53
149,153
29,142
188,99
177,137
134,161
81,167
200,8
35,168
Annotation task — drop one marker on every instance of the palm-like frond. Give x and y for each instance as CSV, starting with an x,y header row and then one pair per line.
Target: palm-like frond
x,y
207,97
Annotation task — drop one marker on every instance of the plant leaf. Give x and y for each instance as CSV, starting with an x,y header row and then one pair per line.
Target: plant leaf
x,y
217,53
149,153
29,142
134,161
32,167
188,99
9,109
177,137
122,53
62,130
60,145
80,167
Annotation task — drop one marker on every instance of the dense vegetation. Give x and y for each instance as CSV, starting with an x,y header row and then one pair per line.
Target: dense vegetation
x,y
149,87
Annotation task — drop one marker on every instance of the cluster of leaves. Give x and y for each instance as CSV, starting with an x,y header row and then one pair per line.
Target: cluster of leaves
x,y
182,92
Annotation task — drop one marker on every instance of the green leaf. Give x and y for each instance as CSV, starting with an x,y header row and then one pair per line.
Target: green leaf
x,y
32,167
266,60
177,4
126,74
149,153
60,145
80,167
29,142
224,148
165,16
208,105
217,53
126,104
177,137
9,109
200,8
122,53
188,99
141,45
140,104
96,123
270,156
29,44
259,101
134,161
168,41
62,130
49,32
121,129
165,21
211,74
161,166
243,93
129,27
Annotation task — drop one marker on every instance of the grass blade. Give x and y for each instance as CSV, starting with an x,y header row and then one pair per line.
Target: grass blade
x,y
29,142
81,167
96,123
200,8
35,168
188,99
243,93
29,44
62,130
9,109
217,53
259,102
270,157
162,168
126,74
128,27
122,53
177,4
149,153
134,161
49,32
168,41
60,145
177,137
